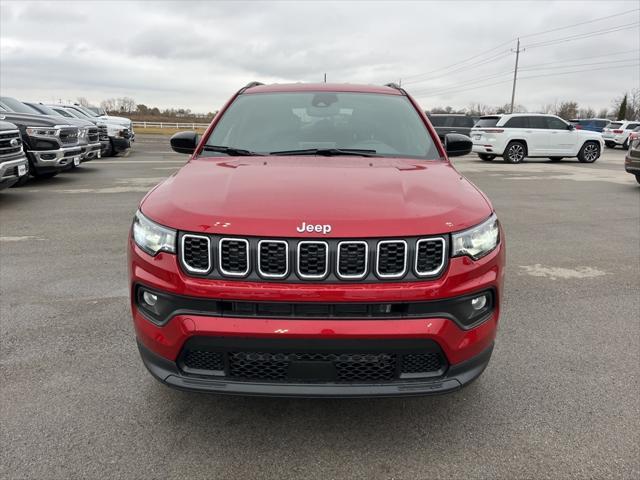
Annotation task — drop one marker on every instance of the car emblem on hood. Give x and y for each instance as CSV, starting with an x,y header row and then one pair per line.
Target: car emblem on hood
x,y
310,228
14,142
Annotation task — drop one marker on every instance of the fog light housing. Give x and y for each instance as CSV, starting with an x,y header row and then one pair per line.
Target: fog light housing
x,y
149,298
479,303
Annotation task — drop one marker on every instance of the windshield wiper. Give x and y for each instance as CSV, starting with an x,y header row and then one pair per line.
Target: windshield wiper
x,y
232,151
328,152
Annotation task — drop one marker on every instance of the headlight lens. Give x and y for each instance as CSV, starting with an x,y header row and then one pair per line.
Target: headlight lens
x,y
151,237
477,241
42,131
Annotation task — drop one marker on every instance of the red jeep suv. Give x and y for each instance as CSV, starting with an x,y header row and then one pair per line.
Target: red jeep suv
x,y
317,243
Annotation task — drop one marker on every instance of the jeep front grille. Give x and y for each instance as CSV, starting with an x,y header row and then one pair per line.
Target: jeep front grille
x,y
6,139
299,260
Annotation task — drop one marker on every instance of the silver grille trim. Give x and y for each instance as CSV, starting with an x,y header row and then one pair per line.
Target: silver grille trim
x,y
366,260
404,263
286,256
246,246
325,245
184,261
442,258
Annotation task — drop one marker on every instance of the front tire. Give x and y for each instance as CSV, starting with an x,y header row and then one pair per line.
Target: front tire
x,y
44,175
515,152
555,159
625,145
589,152
610,144
485,157
638,178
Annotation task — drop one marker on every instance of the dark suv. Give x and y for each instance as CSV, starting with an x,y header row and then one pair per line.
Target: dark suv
x,y
451,123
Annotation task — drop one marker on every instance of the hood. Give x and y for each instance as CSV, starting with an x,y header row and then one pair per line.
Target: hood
x,y
35,120
7,126
117,120
357,197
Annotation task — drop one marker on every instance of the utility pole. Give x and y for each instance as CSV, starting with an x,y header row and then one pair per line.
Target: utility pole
x,y
325,78
515,76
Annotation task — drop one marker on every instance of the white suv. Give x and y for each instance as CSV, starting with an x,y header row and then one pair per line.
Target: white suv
x,y
617,133
519,135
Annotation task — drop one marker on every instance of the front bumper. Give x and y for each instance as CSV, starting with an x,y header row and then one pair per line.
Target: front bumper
x,y
464,350
91,151
11,171
455,378
632,163
120,144
56,159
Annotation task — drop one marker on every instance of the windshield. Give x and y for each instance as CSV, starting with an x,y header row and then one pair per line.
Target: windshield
x,y
18,107
385,125
43,109
88,112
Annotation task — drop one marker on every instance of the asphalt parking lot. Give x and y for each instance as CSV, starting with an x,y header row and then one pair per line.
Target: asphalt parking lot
x,y
560,399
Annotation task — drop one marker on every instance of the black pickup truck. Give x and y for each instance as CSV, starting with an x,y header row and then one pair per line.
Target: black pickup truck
x,y
51,144
13,163
88,133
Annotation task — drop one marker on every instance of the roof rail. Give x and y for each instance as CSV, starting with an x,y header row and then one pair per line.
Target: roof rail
x,y
396,86
250,85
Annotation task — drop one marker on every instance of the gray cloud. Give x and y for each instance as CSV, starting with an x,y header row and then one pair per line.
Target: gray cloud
x,y
195,54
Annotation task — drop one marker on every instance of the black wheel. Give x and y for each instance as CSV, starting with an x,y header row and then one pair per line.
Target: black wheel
x,y
515,152
610,144
589,152
22,181
638,178
625,145
485,157
555,159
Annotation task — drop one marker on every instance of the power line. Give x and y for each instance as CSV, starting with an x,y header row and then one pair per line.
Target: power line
x,y
582,36
441,92
539,44
590,57
579,24
528,69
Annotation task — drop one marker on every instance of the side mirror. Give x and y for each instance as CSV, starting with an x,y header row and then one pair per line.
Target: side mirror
x,y
457,144
571,127
184,142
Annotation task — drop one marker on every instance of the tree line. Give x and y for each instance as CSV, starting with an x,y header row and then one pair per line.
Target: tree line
x,y
624,107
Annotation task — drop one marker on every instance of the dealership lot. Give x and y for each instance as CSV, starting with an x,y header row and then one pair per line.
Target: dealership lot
x,y
560,397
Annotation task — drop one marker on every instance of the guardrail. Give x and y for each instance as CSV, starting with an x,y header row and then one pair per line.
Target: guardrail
x,y
169,125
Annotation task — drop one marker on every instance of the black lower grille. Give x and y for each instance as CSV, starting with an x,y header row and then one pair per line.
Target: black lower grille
x,y
313,366
204,360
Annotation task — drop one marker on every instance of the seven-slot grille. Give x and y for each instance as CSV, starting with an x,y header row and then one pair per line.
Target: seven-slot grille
x,y
6,148
307,260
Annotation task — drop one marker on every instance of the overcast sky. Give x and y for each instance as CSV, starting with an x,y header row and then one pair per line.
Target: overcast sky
x,y
196,54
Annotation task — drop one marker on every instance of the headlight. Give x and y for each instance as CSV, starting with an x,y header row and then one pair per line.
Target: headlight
x,y
151,237
42,131
114,131
477,241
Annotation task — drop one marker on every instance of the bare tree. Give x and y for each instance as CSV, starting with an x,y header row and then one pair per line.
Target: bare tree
x,y
603,113
83,101
478,109
109,104
567,110
586,112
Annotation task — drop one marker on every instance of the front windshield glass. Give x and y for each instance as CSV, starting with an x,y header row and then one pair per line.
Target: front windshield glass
x,y
387,125
88,112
